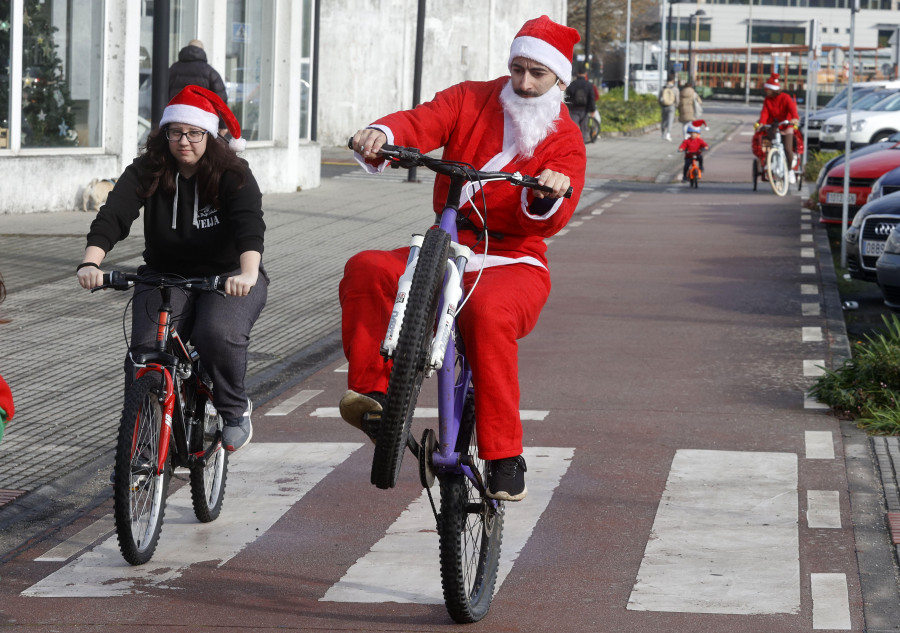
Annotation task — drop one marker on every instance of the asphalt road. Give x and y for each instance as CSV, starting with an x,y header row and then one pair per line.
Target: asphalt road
x,y
679,478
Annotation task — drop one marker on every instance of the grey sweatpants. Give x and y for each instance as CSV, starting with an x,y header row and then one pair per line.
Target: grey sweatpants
x,y
218,328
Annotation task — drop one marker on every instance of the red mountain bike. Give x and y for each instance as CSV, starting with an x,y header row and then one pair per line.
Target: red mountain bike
x,y
168,421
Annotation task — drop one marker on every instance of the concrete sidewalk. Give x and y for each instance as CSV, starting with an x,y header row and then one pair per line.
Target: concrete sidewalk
x,y
63,346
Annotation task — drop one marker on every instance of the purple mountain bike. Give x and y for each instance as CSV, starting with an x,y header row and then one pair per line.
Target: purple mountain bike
x,y
421,340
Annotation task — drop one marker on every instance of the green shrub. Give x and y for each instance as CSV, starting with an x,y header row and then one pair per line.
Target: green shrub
x,y
867,386
619,115
814,162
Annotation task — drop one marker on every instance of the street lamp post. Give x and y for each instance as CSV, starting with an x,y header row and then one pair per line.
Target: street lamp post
x,y
691,36
670,37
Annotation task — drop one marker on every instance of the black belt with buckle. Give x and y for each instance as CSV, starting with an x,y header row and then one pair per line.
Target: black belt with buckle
x,y
465,224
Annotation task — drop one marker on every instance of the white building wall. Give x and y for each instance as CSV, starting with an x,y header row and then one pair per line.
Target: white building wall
x,y
367,53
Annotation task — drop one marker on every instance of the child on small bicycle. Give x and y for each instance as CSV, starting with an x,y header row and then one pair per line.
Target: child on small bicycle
x,y
693,146
202,216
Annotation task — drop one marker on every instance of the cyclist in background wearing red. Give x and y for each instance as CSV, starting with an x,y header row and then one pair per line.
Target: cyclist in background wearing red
x,y
693,145
202,216
516,123
778,107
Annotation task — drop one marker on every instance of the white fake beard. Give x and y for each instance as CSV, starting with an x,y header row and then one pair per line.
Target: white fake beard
x,y
533,118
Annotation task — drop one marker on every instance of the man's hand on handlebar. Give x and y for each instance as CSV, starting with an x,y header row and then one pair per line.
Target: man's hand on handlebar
x,y
554,180
367,142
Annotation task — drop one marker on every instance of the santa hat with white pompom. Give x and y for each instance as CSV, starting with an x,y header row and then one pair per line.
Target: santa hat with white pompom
x,y
201,107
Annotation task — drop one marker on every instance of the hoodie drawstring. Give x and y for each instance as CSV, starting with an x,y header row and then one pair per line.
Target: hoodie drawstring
x,y
175,205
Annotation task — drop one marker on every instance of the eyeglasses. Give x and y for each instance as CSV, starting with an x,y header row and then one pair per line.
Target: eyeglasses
x,y
193,136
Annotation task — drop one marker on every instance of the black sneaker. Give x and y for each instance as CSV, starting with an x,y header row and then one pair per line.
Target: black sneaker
x,y
238,431
506,479
363,410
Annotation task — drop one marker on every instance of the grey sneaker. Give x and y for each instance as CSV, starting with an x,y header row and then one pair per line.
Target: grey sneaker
x,y
238,431
363,410
506,479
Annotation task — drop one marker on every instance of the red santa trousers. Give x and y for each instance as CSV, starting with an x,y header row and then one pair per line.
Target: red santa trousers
x,y
504,308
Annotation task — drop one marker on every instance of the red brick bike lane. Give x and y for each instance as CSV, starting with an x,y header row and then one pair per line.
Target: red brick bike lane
x,y
673,340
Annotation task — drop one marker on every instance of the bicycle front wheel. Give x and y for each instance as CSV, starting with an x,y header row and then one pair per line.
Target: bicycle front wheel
x,y
410,358
139,493
776,166
471,531
208,479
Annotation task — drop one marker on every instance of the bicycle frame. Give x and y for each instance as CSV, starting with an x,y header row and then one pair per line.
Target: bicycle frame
x,y
167,365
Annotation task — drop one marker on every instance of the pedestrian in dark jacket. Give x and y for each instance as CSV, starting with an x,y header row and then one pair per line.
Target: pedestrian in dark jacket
x,y
192,69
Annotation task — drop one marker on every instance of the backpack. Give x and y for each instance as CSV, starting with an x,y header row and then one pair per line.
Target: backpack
x,y
667,97
578,92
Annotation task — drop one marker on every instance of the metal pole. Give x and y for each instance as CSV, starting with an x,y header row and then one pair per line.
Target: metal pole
x,y
845,210
669,38
587,35
691,49
662,62
417,69
627,49
314,77
159,85
749,53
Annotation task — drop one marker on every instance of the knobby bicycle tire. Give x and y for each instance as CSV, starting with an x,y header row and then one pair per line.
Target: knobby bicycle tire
x,y
139,494
471,532
776,166
410,358
208,480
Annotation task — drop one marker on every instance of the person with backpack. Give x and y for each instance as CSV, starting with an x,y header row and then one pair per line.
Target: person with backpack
x,y
668,101
582,101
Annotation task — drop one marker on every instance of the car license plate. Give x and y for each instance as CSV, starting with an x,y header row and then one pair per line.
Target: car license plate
x,y
873,249
838,198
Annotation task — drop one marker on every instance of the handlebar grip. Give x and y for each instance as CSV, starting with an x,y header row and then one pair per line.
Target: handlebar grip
x,y
569,193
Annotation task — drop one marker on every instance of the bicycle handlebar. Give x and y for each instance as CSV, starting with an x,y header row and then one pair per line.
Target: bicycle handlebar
x,y
407,157
118,280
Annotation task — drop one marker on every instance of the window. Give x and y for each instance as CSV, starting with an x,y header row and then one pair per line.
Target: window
x,y
182,29
884,36
781,34
61,70
249,65
306,71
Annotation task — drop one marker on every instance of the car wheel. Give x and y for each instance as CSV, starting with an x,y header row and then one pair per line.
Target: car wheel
x,y
880,137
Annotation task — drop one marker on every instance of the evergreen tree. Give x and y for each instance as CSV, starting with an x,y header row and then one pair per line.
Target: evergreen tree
x,y
47,117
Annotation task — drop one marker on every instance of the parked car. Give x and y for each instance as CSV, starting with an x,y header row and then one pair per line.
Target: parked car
x,y
865,169
888,271
867,126
886,184
866,237
861,151
862,100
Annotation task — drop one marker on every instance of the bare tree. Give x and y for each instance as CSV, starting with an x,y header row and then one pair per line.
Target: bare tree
x,y
608,22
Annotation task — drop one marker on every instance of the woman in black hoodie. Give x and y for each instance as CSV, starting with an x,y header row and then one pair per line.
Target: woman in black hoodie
x,y
202,216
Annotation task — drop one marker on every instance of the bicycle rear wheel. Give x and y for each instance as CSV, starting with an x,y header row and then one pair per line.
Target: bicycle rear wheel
x,y
208,479
410,358
139,494
471,531
776,166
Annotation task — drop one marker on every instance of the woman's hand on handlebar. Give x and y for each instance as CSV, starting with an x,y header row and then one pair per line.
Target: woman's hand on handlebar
x,y
89,277
554,180
368,141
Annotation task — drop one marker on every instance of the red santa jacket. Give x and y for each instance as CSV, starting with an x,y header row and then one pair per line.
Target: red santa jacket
x,y
693,145
777,108
468,121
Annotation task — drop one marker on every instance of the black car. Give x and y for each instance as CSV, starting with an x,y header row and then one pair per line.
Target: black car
x,y
867,235
888,271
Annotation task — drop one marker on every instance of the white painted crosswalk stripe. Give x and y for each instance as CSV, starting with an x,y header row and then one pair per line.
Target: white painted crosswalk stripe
x,y
823,509
831,604
428,412
293,402
404,567
265,494
725,538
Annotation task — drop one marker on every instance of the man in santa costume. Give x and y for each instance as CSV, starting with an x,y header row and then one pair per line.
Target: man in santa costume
x,y
778,107
512,123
